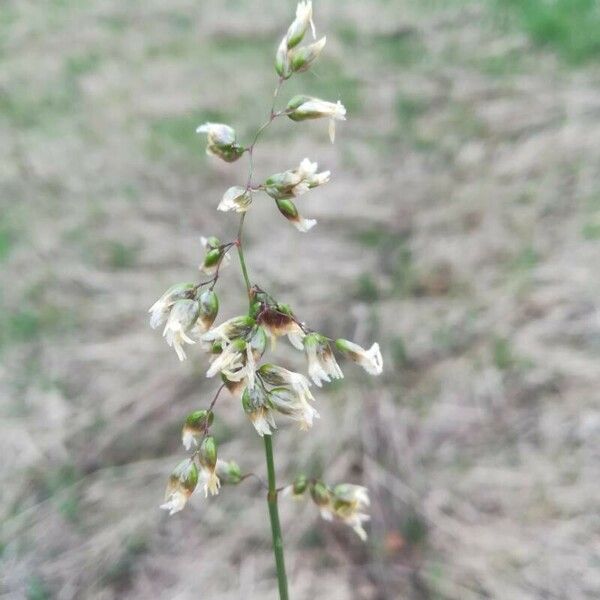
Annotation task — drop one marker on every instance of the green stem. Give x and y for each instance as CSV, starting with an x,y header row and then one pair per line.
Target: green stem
x,y
240,250
274,516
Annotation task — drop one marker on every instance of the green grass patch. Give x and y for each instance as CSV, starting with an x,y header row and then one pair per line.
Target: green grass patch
x,y
396,261
414,529
347,33
23,325
366,289
7,238
590,229
400,48
119,574
81,64
399,352
501,65
571,28
119,256
30,109
408,109
243,48
115,23
30,322
525,260
37,589
505,357
502,353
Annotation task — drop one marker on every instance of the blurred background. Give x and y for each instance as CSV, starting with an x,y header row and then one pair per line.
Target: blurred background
x,y
461,229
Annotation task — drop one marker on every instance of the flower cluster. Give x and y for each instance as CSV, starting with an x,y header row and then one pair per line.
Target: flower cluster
x,y
187,310
235,348
290,58
344,502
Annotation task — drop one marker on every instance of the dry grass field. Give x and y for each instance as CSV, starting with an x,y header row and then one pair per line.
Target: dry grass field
x,y
461,229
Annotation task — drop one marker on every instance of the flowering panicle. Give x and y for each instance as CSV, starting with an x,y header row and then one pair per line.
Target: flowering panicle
x,y
235,347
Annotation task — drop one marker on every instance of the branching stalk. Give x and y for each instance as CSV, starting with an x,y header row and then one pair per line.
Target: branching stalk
x,y
272,486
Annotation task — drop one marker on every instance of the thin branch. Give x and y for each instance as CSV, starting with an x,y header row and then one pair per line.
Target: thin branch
x,y
257,477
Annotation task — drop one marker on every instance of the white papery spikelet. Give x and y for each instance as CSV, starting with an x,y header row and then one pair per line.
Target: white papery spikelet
x,y
370,360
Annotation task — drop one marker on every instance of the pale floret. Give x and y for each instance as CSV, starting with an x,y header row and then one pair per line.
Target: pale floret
x,y
322,366
181,318
228,330
301,386
336,111
296,338
189,439
356,522
218,133
293,401
303,224
370,360
229,361
278,321
300,189
304,18
307,171
237,199
304,13
175,502
279,376
244,373
221,132
160,310
182,482
209,481
263,421
198,329
346,505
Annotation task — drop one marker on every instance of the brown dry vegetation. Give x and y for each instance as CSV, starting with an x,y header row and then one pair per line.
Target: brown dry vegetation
x,y
461,229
